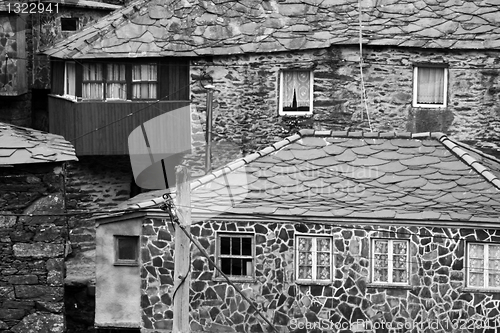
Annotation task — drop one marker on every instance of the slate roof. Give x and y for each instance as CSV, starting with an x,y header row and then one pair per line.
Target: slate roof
x,y
354,175
213,27
21,145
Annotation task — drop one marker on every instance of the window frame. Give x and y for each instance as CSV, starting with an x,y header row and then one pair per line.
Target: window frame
x,y
219,256
415,102
69,81
72,19
314,279
486,270
126,262
135,82
282,112
108,81
389,260
102,81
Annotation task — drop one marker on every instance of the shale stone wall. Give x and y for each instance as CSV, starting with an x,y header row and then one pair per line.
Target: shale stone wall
x,y
246,96
436,299
32,248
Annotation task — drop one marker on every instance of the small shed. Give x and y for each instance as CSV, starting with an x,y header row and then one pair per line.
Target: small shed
x,y
33,229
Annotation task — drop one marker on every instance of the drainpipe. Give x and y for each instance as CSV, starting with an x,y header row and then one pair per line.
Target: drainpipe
x,y
208,149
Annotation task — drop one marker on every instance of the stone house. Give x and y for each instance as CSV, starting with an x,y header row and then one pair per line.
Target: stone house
x,y
26,27
33,229
324,232
279,66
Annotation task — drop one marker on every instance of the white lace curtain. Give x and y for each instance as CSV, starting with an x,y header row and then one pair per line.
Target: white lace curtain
x,y
430,85
296,83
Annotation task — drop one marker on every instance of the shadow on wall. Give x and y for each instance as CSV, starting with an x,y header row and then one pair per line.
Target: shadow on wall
x,y
429,120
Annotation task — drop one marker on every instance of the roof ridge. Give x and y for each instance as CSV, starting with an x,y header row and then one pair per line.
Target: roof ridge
x,y
469,160
372,135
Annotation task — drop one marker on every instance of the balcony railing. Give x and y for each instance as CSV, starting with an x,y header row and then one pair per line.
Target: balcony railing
x,y
102,128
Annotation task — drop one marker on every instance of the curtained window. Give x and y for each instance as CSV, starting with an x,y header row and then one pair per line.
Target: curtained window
x,y
69,79
296,92
144,81
390,261
314,259
116,84
430,86
483,269
93,81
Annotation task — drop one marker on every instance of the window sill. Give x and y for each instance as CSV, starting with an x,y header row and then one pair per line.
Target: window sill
x,y
68,98
389,286
295,113
234,279
314,283
480,290
131,264
429,106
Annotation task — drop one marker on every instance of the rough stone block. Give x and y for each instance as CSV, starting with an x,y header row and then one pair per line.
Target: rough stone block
x,y
54,307
23,279
40,322
8,314
37,292
38,250
10,304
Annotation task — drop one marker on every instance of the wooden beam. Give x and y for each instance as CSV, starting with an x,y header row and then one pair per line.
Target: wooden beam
x,y
182,260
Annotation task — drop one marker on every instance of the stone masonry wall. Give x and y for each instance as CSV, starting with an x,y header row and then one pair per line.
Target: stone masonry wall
x,y
246,95
32,248
436,298
95,183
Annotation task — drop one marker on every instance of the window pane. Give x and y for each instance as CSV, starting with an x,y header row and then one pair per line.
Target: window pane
x,y
70,79
305,244
225,265
296,89
246,245
236,246
127,248
305,272
225,245
430,86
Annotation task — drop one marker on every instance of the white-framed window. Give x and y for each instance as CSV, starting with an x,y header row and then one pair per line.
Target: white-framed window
x,y
236,255
314,258
296,92
390,261
70,79
93,81
144,81
483,269
430,86
126,250
116,84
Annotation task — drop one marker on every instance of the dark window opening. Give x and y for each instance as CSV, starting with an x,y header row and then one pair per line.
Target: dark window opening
x,y
126,250
69,23
236,255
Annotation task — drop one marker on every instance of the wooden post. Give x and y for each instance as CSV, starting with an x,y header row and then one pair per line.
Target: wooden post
x,y
182,278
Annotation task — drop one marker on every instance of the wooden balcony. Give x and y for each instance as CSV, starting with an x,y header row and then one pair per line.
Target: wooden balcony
x,y
115,120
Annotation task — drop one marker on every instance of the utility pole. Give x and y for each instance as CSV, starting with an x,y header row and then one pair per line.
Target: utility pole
x,y
208,150
182,260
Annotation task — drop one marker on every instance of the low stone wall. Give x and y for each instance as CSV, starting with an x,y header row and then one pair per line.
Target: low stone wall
x,y
32,248
436,297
